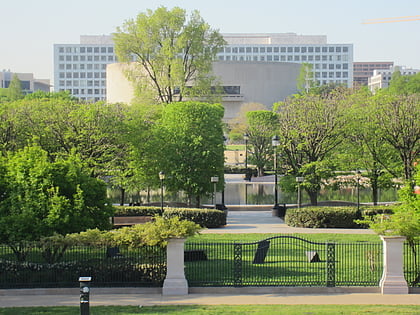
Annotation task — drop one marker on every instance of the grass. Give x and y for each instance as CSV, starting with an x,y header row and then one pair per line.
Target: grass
x,y
235,147
221,309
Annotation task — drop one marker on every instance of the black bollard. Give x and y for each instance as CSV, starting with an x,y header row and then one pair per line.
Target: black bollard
x,y
84,295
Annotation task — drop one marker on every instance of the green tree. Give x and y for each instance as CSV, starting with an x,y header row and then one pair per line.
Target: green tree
x,y
41,198
397,118
311,127
262,125
191,148
306,79
173,55
15,89
364,147
60,125
238,125
403,84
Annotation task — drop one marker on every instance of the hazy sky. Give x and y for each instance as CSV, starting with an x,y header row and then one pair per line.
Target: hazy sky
x,y
29,28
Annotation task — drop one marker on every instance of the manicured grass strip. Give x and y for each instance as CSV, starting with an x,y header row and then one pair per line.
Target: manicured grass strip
x,y
221,309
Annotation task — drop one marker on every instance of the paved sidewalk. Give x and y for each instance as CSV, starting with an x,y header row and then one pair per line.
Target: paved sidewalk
x,y
36,298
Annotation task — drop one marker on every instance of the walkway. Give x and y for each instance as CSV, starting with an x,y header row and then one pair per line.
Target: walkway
x,y
258,219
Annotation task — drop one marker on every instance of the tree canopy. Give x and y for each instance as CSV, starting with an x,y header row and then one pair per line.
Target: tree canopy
x,y
172,53
40,197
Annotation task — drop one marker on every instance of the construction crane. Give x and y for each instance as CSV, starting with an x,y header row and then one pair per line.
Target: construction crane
x,y
393,19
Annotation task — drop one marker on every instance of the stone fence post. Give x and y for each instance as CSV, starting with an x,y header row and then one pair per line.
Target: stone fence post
x,y
175,282
393,280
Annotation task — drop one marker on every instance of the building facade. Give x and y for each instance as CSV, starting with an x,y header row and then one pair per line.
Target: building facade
x,y
28,82
81,68
362,71
331,63
381,78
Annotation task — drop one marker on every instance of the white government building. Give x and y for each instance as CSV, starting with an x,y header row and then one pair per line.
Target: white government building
x,y
81,68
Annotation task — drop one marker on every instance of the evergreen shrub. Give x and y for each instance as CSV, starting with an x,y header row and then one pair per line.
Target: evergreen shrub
x,y
209,218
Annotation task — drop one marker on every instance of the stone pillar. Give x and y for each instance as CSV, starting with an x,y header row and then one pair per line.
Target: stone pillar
x,y
175,282
393,281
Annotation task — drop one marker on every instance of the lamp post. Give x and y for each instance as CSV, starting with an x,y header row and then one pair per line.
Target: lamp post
x,y
246,138
358,176
214,180
299,180
275,142
161,177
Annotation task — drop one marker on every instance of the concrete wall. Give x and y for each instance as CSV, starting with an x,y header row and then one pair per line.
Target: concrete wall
x,y
259,82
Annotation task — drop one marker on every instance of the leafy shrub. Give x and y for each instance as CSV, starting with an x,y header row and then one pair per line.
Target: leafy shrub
x,y
371,211
209,218
128,211
103,271
157,232
323,217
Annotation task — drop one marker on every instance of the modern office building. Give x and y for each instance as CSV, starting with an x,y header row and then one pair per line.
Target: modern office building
x,y
81,68
28,82
331,63
243,82
381,78
362,71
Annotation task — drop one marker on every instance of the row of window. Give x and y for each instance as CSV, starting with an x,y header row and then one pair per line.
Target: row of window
x,y
82,83
103,58
76,92
331,58
88,49
82,75
62,75
82,66
291,49
331,74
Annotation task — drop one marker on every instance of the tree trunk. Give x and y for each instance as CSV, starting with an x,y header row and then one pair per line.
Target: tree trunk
x,y
375,189
313,196
122,196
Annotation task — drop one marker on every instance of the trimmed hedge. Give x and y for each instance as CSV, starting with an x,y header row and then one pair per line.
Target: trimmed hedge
x,y
209,218
323,217
131,211
333,217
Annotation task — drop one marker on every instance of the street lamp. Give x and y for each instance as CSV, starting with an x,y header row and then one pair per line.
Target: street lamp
x,y
246,138
358,177
275,142
299,180
161,177
214,180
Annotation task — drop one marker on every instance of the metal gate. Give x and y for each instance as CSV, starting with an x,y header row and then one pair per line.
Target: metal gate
x,y
284,261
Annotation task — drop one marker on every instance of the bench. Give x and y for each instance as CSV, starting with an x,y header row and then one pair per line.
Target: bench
x,y
130,221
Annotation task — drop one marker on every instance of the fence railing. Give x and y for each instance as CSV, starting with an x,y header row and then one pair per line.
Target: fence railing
x,y
276,261
145,266
284,261
412,264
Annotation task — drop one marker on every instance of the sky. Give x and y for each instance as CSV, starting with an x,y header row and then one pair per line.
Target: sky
x,y
29,28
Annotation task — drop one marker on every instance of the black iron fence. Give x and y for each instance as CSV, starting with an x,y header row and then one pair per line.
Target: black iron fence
x,y
412,264
278,261
284,261
43,268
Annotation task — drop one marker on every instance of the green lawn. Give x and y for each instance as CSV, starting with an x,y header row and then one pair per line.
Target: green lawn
x,y
221,309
